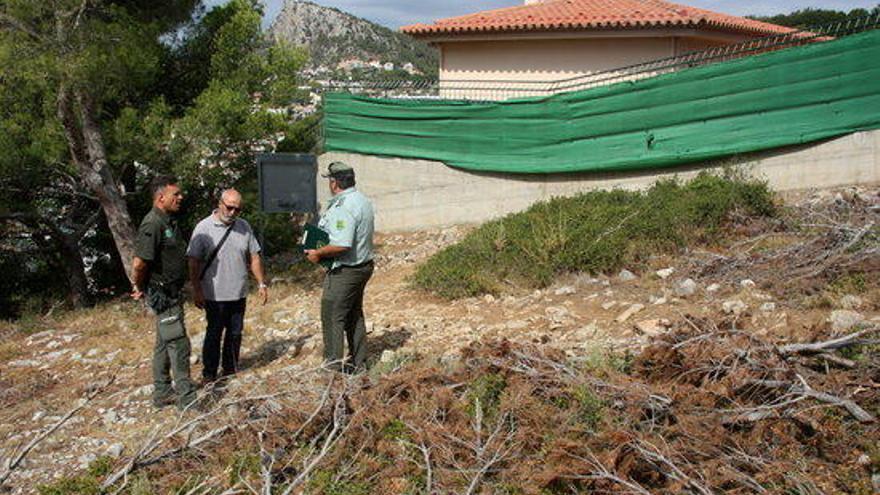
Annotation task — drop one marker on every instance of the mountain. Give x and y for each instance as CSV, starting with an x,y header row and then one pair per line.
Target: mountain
x,y
335,37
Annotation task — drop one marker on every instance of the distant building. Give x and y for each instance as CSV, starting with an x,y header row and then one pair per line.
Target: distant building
x,y
388,66
546,40
350,64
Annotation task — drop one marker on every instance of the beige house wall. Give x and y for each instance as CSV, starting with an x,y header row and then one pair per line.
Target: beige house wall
x,y
418,194
512,68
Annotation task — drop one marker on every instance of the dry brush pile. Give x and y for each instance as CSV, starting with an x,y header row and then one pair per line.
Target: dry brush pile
x,y
811,247
707,408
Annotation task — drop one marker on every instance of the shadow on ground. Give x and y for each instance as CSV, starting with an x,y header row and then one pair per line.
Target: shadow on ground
x,y
388,341
272,350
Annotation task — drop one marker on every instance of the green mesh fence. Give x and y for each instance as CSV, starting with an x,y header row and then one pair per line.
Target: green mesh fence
x,y
787,97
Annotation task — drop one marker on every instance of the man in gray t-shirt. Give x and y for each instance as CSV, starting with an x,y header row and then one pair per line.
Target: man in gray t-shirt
x,y
220,280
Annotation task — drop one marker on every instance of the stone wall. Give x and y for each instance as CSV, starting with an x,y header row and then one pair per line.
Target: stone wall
x,y
417,194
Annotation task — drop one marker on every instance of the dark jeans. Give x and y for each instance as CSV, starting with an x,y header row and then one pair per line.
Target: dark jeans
x,y
222,316
342,317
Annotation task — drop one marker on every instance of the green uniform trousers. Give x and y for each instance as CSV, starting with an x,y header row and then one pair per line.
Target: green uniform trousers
x,y
342,316
171,352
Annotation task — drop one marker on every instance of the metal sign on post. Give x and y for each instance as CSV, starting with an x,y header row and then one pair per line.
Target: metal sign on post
x,y
288,182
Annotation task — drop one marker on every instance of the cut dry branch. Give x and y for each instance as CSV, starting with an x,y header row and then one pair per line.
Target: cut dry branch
x,y
829,345
16,459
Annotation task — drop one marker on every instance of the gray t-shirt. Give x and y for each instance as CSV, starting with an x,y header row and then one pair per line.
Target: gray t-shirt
x,y
227,277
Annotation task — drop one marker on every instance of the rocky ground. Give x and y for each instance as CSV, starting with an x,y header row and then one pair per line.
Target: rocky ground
x,y
97,362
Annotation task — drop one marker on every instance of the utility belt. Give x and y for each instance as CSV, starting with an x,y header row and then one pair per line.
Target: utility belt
x,y
162,296
359,265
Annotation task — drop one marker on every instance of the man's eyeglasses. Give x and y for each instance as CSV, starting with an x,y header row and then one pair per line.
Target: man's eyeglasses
x,y
231,209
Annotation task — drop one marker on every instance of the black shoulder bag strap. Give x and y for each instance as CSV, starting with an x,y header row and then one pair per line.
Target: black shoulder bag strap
x,y
216,250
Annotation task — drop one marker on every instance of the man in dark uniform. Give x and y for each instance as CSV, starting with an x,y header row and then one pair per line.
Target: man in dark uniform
x,y
159,272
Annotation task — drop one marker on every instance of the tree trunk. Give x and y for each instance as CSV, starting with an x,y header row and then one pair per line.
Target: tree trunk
x,y
75,270
51,239
71,264
86,145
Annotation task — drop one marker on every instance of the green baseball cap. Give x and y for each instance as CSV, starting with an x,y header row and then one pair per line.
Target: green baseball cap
x,y
337,168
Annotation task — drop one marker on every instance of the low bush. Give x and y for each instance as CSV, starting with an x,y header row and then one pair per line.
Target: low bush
x,y
598,231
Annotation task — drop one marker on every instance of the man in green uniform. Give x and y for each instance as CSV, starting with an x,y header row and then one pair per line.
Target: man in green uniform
x,y
348,221
159,272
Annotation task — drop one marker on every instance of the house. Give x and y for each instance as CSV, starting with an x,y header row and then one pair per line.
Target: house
x,y
552,40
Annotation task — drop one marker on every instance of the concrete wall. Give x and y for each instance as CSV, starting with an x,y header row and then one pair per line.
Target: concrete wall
x,y
415,194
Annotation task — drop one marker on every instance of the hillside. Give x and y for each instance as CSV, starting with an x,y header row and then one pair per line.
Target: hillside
x,y
686,374
334,36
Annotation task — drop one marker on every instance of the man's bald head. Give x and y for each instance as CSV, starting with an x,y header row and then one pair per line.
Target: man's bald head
x,y
230,195
229,205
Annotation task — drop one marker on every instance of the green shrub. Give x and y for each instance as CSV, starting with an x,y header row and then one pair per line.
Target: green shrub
x,y
485,390
599,231
589,407
85,484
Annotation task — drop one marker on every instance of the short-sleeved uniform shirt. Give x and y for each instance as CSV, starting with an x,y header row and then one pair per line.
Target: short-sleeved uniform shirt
x,y
226,279
160,243
349,223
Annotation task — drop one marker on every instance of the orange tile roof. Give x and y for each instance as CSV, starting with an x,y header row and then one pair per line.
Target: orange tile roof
x,y
556,15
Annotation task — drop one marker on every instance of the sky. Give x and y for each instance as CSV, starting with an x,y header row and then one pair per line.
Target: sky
x,y
396,13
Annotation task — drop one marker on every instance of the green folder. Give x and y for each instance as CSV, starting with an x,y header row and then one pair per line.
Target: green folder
x,y
315,238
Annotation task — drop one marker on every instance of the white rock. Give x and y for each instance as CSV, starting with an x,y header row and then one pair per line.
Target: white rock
x,y
626,276
41,335
635,308
747,283
86,459
608,305
23,363
660,301
734,306
38,415
280,315
665,273
92,352
558,315
713,288
654,327
115,450
53,344
686,288
488,298
564,291
52,356
387,356
844,319
768,307
851,302
110,417
516,324
140,392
